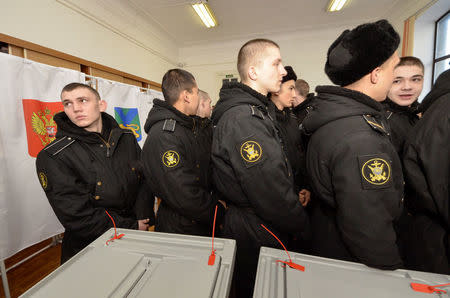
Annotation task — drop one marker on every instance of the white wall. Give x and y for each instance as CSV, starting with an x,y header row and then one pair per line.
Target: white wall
x,y
424,39
56,25
304,50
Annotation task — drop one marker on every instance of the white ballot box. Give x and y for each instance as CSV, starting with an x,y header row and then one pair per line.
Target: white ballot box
x,y
326,278
143,264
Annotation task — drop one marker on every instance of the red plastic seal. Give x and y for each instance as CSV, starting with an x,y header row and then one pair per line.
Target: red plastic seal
x,y
423,288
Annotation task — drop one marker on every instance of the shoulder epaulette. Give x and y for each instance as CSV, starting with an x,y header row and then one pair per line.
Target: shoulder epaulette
x,y
375,124
169,125
59,145
257,112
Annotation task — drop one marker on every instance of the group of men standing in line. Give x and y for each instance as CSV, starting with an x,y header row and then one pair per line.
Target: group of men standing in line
x,y
325,175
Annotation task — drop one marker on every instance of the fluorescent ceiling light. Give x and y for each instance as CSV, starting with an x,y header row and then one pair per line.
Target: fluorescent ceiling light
x,y
336,5
205,13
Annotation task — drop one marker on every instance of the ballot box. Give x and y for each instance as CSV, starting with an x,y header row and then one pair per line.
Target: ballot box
x,y
338,279
143,264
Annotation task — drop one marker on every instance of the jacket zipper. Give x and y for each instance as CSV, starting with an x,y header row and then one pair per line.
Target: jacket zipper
x,y
108,146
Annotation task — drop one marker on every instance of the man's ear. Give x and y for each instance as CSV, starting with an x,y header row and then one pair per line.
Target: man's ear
x,y
252,74
103,105
375,75
185,96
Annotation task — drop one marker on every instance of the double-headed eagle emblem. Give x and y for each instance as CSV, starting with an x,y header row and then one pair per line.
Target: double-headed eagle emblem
x,y
44,126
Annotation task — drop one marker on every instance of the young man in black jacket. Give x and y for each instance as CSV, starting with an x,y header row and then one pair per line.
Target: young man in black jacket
x,y
355,171
176,157
426,162
92,167
401,104
250,167
286,122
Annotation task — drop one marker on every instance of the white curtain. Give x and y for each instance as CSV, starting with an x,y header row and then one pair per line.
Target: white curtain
x,y
128,105
30,96
145,105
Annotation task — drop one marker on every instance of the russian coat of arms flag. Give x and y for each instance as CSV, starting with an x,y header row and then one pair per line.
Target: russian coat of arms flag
x,y
39,123
30,96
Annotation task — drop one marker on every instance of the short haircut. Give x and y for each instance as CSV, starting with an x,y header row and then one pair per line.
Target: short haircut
x,y
411,61
250,53
203,95
302,87
176,81
73,86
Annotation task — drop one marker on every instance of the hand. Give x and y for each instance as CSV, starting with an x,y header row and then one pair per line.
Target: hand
x,y
304,196
143,224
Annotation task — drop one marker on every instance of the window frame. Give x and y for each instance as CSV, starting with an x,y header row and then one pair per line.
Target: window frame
x,y
436,60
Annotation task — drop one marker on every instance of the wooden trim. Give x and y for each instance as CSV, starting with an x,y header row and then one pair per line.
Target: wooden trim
x,y
132,82
15,51
408,37
37,48
405,36
106,75
50,60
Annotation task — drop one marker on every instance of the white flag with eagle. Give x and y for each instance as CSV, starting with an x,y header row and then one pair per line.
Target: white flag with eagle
x,y
30,94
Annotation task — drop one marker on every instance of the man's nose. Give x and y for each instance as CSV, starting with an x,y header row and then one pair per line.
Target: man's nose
x,y
283,71
76,106
406,85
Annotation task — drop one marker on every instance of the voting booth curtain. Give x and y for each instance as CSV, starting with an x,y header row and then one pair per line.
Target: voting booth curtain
x,y
30,96
128,105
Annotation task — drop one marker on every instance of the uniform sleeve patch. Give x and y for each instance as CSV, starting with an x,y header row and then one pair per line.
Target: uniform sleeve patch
x,y
43,180
171,159
375,171
251,151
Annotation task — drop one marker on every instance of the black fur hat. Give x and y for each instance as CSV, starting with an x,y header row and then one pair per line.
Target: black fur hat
x,y
290,75
357,52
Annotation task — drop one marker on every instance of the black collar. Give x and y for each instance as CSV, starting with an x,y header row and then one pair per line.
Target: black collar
x,y
231,85
353,94
183,119
389,104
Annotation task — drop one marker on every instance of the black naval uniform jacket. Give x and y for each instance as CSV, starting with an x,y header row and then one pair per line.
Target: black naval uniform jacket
x,y
287,125
356,177
401,121
176,158
427,173
252,173
85,173
251,170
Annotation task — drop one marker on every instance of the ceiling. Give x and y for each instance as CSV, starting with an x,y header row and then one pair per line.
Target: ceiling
x,y
247,18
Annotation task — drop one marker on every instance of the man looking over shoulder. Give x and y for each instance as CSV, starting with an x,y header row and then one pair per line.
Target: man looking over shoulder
x,y
401,104
92,167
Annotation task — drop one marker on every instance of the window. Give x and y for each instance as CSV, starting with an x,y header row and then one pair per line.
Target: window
x,y
441,61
